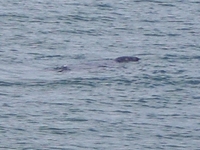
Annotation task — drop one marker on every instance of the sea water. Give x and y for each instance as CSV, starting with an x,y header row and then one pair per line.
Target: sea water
x,y
150,104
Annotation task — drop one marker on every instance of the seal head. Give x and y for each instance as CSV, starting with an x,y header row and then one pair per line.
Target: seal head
x,y
124,59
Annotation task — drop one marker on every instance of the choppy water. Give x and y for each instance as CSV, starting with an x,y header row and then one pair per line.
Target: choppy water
x,y
151,104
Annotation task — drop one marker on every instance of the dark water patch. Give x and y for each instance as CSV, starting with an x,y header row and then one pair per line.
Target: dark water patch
x,y
57,148
76,119
105,136
107,18
82,17
47,57
90,32
177,57
5,104
122,81
154,34
158,80
78,56
167,4
192,81
14,50
185,29
3,83
104,6
93,130
149,1
91,82
168,48
150,21
3,94
170,127
159,72
123,112
14,16
76,110
191,46
53,130
96,110
19,129
196,97
73,19
170,34
175,21
160,44
196,2
38,19
11,115
78,81
56,104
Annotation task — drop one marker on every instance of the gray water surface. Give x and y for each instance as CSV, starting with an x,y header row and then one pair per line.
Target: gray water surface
x,y
150,104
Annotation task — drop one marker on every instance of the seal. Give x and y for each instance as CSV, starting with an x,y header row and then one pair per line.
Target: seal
x,y
124,59
98,64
